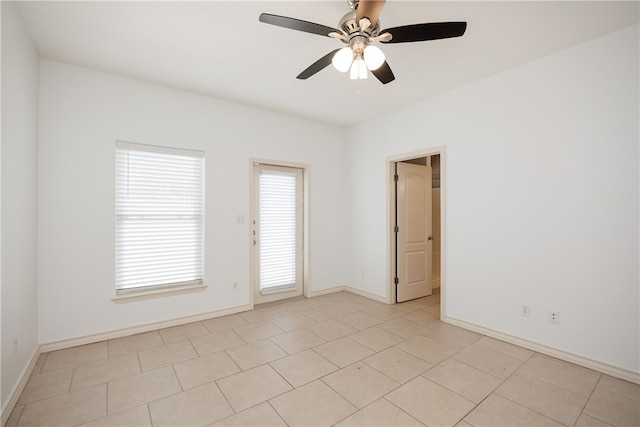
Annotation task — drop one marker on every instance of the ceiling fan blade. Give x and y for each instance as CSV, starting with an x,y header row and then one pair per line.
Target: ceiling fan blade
x,y
384,73
296,24
317,66
424,32
369,9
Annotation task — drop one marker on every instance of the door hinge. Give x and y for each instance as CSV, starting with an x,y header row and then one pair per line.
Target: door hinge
x,y
395,178
396,229
395,281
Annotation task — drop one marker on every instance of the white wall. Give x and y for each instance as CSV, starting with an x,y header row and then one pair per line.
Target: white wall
x,y
541,192
83,112
19,198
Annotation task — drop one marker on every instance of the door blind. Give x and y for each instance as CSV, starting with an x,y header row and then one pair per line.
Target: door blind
x,y
159,216
278,230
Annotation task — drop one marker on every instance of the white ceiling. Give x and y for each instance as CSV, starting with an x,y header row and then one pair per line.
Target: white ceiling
x,y
220,49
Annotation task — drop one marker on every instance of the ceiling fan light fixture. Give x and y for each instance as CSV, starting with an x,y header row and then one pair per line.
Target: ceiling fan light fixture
x,y
373,57
342,59
358,70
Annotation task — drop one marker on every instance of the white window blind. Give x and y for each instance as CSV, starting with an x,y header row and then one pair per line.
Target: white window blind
x,y
159,216
278,230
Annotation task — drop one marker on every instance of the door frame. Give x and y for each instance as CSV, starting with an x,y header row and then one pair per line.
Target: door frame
x,y
391,210
253,262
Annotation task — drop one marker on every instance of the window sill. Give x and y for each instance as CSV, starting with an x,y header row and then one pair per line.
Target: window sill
x,y
132,296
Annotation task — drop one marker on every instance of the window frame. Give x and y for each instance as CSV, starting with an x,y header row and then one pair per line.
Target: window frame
x,y
133,293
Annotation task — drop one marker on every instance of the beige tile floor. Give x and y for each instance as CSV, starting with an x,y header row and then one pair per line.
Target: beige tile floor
x,y
338,359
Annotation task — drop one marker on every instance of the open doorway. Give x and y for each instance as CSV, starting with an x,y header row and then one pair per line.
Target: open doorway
x,y
416,231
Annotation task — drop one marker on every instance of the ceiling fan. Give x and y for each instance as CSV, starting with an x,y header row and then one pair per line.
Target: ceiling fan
x,y
358,29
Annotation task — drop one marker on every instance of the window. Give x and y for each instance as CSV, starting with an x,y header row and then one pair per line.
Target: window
x,y
159,217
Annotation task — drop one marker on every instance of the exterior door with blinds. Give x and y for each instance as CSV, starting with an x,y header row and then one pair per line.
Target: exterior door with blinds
x,y
278,232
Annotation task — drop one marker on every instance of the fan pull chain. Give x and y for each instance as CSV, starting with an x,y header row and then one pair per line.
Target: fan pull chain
x,y
358,87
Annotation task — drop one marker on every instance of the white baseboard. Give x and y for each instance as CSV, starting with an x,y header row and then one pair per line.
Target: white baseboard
x,y
19,387
147,327
327,291
586,362
348,289
366,294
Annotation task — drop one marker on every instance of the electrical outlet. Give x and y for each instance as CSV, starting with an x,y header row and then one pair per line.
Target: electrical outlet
x,y
554,317
525,310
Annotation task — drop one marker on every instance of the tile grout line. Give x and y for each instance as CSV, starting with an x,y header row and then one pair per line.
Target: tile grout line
x,y
225,399
149,413
276,411
588,398
488,395
496,388
587,402
106,409
519,404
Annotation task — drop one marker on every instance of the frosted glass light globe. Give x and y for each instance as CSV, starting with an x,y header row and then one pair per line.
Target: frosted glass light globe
x,y
358,70
342,59
373,57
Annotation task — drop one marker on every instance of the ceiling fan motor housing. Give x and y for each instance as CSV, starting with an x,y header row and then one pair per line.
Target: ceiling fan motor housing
x,y
350,27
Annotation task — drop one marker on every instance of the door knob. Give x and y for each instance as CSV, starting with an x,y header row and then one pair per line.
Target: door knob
x,y
430,238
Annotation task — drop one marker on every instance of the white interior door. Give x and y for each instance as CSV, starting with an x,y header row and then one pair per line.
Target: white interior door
x,y
278,232
414,236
